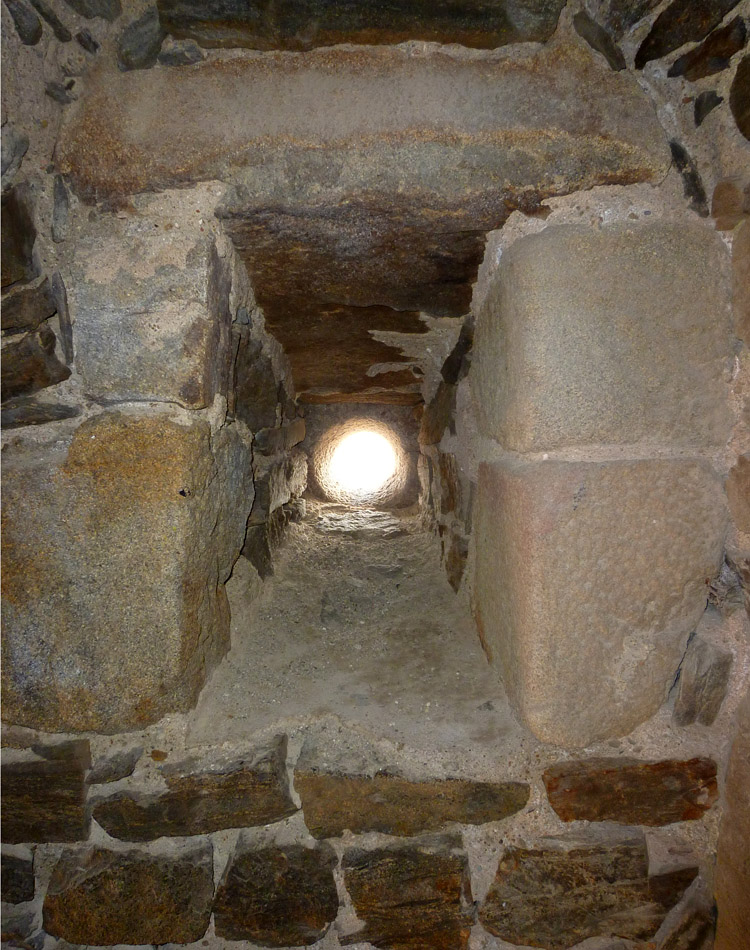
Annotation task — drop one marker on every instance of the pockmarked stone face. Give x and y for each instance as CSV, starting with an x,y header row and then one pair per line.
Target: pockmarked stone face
x,y
236,794
632,791
427,876
102,897
277,897
566,891
590,578
619,335
44,796
118,538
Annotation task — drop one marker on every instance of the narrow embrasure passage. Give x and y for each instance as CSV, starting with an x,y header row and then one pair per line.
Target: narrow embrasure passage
x,y
360,622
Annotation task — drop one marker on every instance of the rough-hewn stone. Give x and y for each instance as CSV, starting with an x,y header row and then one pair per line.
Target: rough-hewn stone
x,y
302,24
713,54
691,925
62,33
26,411
141,41
115,766
683,21
428,876
336,798
118,539
29,364
277,896
438,414
13,148
631,791
27,23
455,554
253,790
732,880
569,889
44,796
620,15
599,39
102,897
279,439
590,578
704,675
17,880
26,308
150,306
739,97
730,203
609,336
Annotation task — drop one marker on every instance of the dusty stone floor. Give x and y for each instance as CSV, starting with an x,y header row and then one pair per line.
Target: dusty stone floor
x,y
358,623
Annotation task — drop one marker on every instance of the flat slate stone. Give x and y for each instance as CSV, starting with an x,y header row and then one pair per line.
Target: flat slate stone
x,y
44,799
302,24
277,897
17,881
713,54
250,791
26,308
568,890
27,411
410,895
102,897
683,21
632,791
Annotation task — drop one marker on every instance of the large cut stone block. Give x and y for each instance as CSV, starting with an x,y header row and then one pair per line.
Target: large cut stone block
x,y
613,336
150,306
589,579
118,538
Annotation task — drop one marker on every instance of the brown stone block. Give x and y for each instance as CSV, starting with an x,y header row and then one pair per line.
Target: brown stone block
x,y
279,896
570,889
118,538
410,895
102,897
44,798
235,794
590,578
631,791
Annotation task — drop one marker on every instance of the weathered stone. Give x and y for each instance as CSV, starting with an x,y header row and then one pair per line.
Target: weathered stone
x,y
60,296
18,236
610,336
253,790
255,390
278,896
60,211
438,414
62,94
14,145
620,15
450,484
17,875
713,54
118,539
631,791
705,102
106,9
257,549
732,879
692,183
704,675
590,577
730,203
279,439
336,797
683,21
599,39
44,798
25,411
185,53
102,897
141,41
455,554
302,24
428,876
458,361
739,97
568,889
690,926
725,592
112,768
27,23
29,364
87,42
62,33
26,308
741,281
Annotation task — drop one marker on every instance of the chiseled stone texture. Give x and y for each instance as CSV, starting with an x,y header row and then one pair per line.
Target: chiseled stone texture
x,y
149,300
102,897
610,624
44,795
631,791
336,796
410,895
201,798
277,896
611,336
733,853
118,539
569,889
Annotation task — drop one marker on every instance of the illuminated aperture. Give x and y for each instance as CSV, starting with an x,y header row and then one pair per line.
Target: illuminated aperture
x,y
362,463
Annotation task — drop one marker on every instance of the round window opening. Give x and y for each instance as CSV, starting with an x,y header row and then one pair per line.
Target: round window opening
x,y
360,462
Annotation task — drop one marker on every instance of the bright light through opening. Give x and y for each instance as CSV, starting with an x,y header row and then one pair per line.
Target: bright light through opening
x,y
362,462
